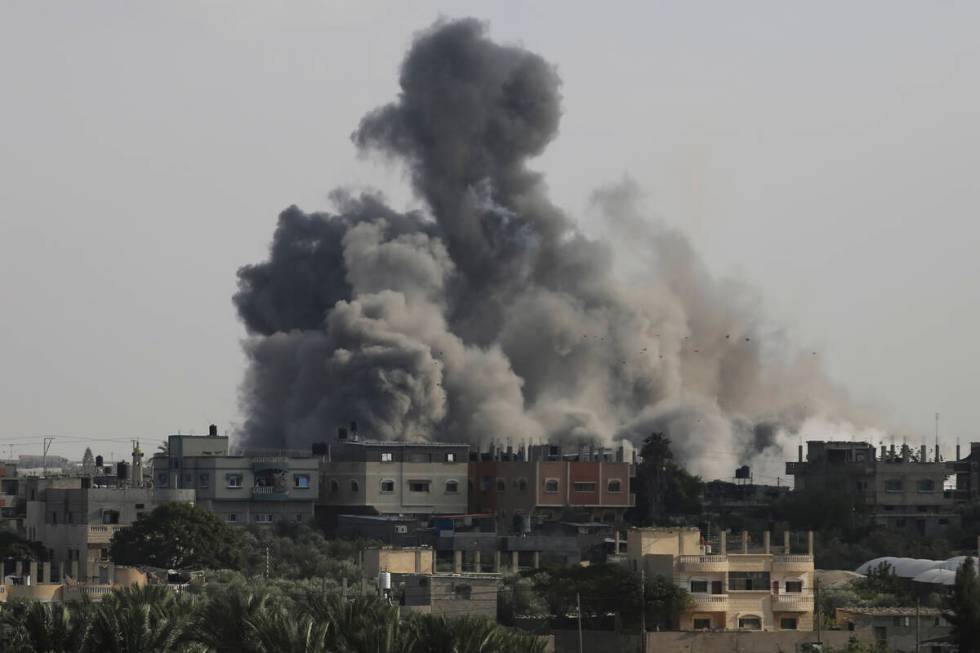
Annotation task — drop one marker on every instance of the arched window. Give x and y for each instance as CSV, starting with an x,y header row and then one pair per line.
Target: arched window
x,y
334,487
354,487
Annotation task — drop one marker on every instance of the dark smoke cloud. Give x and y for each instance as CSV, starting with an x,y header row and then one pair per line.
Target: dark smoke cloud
x,y
492,316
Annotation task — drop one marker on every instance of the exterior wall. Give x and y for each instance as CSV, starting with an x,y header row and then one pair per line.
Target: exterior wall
x,y
267,489
896,631
451,596
366,466
181,446
397,561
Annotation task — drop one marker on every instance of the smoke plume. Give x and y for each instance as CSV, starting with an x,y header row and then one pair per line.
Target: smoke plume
x,y
491,316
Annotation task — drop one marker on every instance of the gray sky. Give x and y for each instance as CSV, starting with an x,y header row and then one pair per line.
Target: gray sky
x,y
825,153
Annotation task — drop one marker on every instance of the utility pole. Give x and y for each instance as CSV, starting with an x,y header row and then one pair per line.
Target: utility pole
x,y
816,606
917,613
578,605
44,456
643,609
266,561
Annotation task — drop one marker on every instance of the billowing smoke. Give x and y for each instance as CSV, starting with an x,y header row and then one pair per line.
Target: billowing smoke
x,y
491,316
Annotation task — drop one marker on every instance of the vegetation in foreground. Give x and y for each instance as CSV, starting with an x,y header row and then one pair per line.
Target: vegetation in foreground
x,y
227,618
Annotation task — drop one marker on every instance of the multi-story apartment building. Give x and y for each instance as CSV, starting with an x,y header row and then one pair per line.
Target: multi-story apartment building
x,y
543,483
902,490
9,488
391,478
258,489
735,587
75,522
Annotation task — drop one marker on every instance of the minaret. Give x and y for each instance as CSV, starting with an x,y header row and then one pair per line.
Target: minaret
x,y
137,480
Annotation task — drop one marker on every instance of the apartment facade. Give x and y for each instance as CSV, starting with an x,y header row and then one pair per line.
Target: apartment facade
x,y
256,489
903,490
9,489
75,522
743,585
392,478
545,483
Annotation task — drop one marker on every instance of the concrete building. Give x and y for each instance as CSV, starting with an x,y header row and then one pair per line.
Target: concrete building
x,y
903,490
9,501
447,595
33,583
75,522
391,478
745,585
544,483
256,489
896,629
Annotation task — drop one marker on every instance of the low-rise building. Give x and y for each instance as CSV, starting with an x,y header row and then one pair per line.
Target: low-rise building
x,y
449,595
75,522
9,489
545,483
261,488
747,586
898,630
391,478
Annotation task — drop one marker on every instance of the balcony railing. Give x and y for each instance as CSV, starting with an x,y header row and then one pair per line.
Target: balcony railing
x,y
703,563
709,602
792,602
792,562
102,533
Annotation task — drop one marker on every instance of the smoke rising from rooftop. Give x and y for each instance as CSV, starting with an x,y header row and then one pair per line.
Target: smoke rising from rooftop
x,y
491,316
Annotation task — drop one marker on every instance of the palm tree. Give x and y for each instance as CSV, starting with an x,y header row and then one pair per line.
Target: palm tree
x,y
361,624
220,621
139,619
47,627
279,631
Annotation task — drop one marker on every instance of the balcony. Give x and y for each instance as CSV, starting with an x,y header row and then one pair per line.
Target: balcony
x,y
709,602
792,563
102,533
703,563
792,603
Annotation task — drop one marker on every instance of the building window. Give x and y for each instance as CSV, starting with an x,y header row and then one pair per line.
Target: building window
x,y
584,486
450,457
485,483
140,506
386,456
925,485
162,479
794,586
231,517
551,485
110,516
354,487
699,587
301,481
452,487
263,518
299,516
893,485
501,485
787,623
419,486
615,485
233,480
204,480
387,486
334,486
522,484
463,591
702,624
750,623
748,580
189,478
716,587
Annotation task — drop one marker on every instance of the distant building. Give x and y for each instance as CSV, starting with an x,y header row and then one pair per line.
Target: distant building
x,y
75,522
738,586
903,490
9,489
545,483
448,595
390,478
256,489
895,629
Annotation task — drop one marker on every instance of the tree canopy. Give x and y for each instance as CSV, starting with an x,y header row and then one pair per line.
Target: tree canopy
x,y
963,608
664,490
178,536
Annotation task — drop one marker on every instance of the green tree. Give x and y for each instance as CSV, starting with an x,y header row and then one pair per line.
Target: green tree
x,y
664,490
178,536
137,620
963,608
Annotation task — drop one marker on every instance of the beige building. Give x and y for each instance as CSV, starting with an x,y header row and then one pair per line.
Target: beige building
x,y
742,585
76,523
394,478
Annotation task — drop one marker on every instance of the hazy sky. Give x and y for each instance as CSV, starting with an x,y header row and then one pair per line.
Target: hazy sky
x,y
825,153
